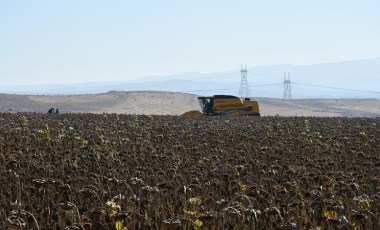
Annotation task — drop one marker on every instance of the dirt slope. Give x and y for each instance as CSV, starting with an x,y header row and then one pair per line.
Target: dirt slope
x,y
152,102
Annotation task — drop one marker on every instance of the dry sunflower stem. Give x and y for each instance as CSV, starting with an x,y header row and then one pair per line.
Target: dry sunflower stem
x,y
115,171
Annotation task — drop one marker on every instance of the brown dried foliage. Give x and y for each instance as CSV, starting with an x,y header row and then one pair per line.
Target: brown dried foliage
x,y
86,171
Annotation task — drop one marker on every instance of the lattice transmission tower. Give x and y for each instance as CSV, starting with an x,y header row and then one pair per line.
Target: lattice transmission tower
x,y
244,87
287,87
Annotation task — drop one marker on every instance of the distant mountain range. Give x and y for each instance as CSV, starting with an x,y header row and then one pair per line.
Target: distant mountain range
x,y
350,79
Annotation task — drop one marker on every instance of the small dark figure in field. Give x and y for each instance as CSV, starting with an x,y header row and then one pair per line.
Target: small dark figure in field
x,y
51,110
56,111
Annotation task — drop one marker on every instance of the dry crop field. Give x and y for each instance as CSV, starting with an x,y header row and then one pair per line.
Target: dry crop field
x,y
109,171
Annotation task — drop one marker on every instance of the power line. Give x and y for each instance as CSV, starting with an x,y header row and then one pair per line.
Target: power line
x,y
232,88
280,83
335,88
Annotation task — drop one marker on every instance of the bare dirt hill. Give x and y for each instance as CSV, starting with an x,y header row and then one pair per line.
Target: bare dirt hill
x,y
163,103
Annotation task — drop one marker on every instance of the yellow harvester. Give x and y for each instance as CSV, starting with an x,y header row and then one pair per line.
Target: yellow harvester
x,y
225,105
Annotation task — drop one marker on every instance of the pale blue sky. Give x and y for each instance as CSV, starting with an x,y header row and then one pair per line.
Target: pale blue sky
x,y
72,41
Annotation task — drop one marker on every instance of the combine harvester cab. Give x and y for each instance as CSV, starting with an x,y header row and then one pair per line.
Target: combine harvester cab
x,y
225,105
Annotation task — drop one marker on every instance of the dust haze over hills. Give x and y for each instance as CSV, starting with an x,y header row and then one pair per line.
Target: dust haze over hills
x,y
350,79
335,89
170,103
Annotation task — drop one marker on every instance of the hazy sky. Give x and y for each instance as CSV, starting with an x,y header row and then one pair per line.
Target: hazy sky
x,y
72,41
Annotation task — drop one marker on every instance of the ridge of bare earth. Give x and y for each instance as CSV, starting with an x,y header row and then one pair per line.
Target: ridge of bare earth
x,y
175,103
